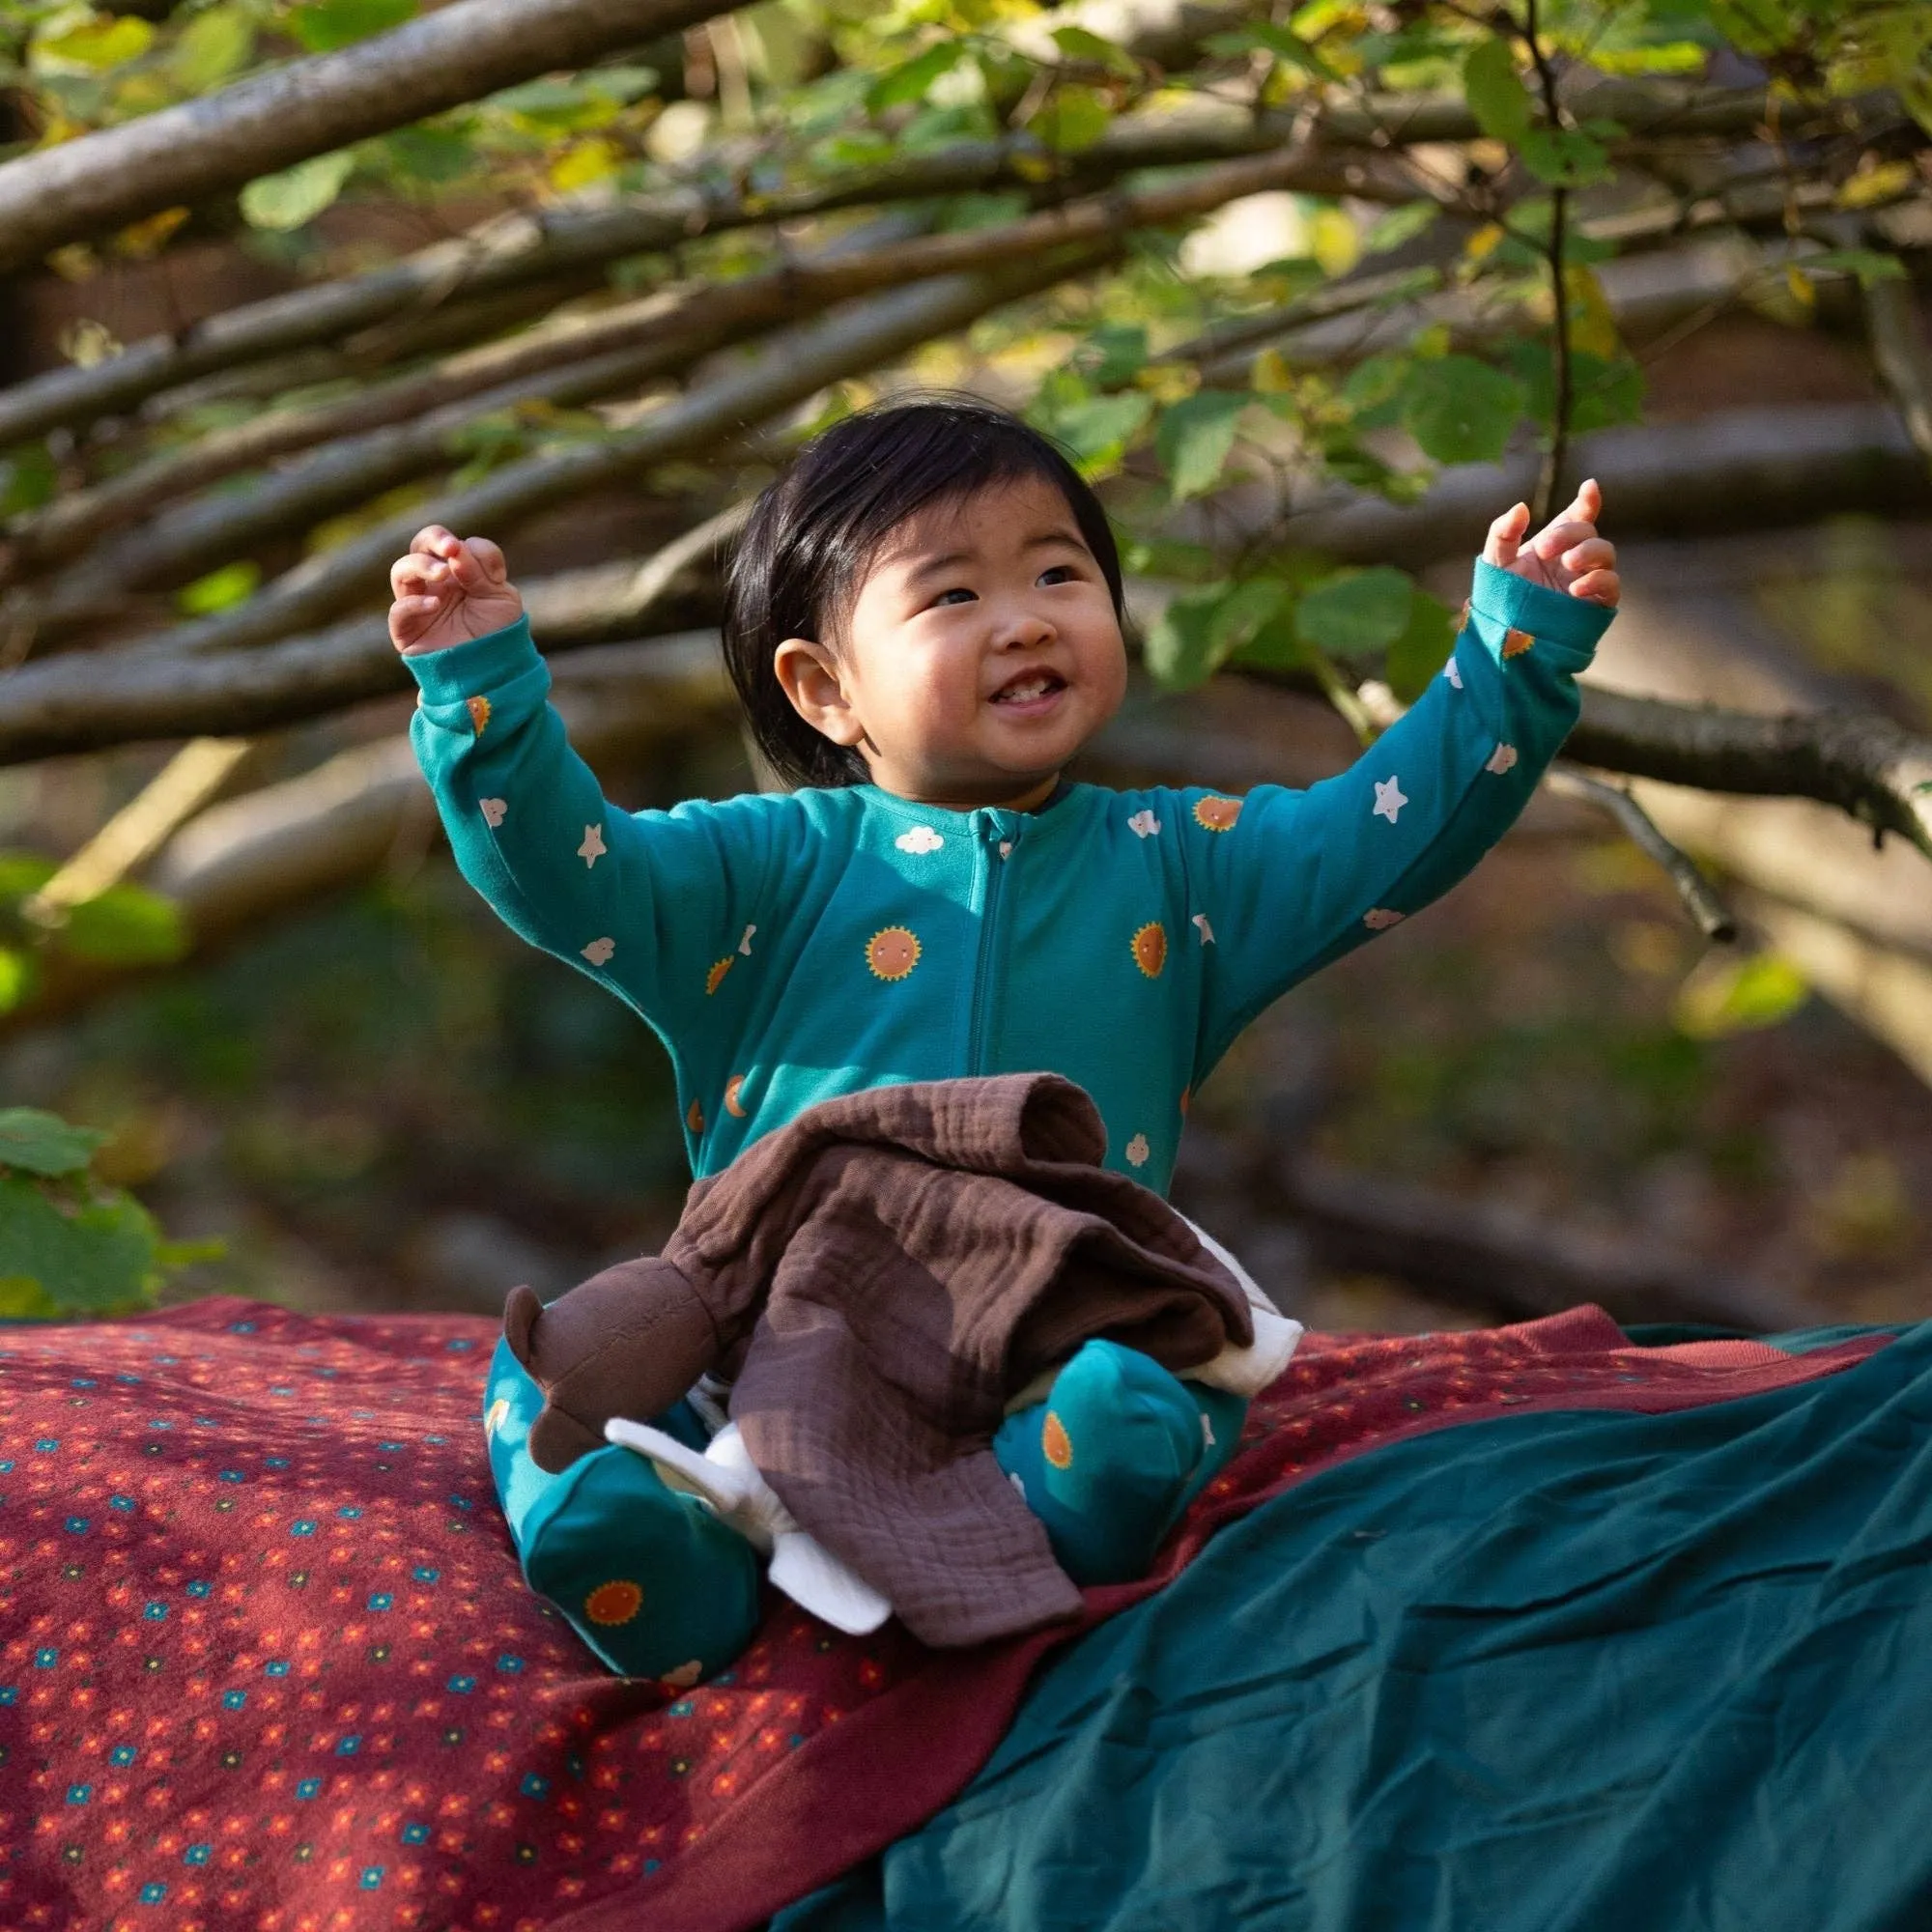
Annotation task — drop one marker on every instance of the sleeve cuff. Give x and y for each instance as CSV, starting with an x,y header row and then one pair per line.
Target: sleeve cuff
x,y
1546,615
473,668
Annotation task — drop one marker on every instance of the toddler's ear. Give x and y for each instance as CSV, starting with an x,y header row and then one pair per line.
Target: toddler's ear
x,y
808,676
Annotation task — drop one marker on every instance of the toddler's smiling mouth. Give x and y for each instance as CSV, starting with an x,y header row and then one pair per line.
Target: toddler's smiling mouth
x,y
1029,690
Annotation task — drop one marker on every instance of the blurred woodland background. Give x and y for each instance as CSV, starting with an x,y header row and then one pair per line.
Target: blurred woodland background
x,y
1311,292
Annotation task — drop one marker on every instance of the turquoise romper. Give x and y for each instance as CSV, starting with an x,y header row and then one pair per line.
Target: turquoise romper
x,y
787,948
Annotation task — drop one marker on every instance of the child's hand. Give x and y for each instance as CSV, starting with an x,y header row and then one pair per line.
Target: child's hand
x,y
1565,556
449,589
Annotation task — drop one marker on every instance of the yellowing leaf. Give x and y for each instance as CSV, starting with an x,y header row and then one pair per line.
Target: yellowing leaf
x,y
1334,241
1073,117
1484,241
211,47
97,44
1870,186
1802,289
1726,995
1272,376
585,163
1592,326
220,589
141,240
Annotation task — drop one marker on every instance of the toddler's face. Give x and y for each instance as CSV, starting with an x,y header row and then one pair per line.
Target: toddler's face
x,y
980,652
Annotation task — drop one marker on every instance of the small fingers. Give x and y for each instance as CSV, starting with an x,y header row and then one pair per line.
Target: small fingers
x,y
410,576
431,540
1553,539
490,559
1593,554
1506,536
1598,587
410,618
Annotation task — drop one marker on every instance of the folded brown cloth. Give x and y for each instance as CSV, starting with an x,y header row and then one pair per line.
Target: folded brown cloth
x,y
891,1267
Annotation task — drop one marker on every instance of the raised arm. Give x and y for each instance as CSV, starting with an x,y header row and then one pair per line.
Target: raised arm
x,y
645,903
1289,880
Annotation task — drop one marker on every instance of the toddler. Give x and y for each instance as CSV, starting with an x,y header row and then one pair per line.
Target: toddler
x,y
924,621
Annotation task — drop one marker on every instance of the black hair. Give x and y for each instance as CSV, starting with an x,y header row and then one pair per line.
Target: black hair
x,y
813,532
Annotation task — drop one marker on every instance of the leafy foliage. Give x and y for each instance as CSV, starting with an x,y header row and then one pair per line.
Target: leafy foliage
x,y
68,1244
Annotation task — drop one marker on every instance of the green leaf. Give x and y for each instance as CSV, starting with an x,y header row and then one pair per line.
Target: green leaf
x,y
1419,654
432,155
1399,225
1602,393
1277,40
99,43
1073,117
295,197
1243,610
126,925
27,479
1496,95
33,1141
1098,429
1356,613
1078,45
1461,411
220,589
16,977
323,26
1113,353
1196,434
23,872
899,85
211,47
1868,264
95,1259
1180,648
1740,996
1565,157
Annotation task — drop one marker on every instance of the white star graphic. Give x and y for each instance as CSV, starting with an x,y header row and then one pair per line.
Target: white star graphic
x,y
1206,930
1453,674
1388,799
1501,759
592,849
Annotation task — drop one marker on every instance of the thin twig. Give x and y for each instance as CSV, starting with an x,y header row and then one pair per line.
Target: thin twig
x,y
1712,918
1549,481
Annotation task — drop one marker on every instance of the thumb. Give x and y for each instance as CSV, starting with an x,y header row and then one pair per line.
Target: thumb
x,y
1506,536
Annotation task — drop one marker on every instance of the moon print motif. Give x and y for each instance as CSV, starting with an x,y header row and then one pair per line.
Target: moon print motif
x,y
734,1104
693,1117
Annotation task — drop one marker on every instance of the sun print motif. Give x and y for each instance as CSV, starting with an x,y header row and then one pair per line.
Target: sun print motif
x,y
1055,1444
714,978
614,1602
493,810
478,709
693,1117
1216,814
1516,642
1150,948
892,952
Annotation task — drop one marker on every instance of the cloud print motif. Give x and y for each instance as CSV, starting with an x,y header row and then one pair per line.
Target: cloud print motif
x,y
921,839
599,951
1144,824
493,810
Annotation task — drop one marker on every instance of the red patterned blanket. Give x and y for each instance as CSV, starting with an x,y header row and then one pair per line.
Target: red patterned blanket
x,y
266,1659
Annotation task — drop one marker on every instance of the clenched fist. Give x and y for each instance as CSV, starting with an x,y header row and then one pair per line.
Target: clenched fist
x,y
449,589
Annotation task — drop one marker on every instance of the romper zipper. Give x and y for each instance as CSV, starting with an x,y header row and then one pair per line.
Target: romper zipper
x,y
991,836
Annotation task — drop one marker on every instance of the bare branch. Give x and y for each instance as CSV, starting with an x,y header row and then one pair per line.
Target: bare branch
x,y
1898,346
270,120
1711,916
513,251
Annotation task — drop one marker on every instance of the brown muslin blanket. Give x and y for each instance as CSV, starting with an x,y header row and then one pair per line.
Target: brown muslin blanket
x,y
886,1271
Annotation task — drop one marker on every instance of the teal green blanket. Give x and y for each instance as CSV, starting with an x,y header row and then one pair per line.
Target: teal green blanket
x,y
1553,1672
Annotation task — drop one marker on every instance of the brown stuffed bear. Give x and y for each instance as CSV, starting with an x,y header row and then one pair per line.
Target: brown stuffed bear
x,y
627,1342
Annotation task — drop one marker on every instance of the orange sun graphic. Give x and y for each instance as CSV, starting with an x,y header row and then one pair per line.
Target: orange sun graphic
x,y
734,1104
1150,949
693,1117
1516,642
715,979
479,713
893,952
1216,814
1054,1442
613,1602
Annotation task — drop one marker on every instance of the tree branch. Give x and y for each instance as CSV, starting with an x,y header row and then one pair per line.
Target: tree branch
x,y
272,120
1898,348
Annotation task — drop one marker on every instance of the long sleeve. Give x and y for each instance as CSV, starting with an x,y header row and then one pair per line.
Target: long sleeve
x,y
653,905
1288,880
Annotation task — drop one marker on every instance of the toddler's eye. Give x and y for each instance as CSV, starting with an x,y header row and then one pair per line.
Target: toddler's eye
x,y
1059,573
958,594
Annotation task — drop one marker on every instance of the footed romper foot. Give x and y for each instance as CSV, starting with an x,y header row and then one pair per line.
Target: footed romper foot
x,y
1113,1456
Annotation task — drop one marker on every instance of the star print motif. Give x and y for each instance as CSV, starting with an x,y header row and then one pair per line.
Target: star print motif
x,y
744,944
1388,799
599,951
1452,672
1144,824
592,849
1206,930
1005,849
921,839
493,810
1501,759
1379,918
1138,1150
